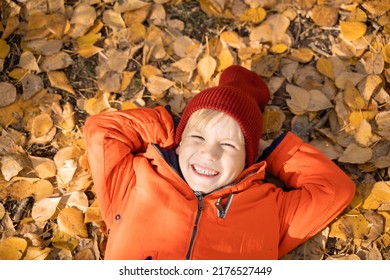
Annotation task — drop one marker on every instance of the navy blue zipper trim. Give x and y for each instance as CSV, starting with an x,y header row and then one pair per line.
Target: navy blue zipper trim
x,y
199,196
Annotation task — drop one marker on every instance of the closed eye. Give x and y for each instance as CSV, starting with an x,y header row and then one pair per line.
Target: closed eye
x,y
229,145
197,137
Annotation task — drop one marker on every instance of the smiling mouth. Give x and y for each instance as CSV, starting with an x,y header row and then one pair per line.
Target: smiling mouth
x,y
204,171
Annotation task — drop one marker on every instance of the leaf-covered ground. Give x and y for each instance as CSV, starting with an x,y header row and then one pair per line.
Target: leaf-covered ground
x,y
326,63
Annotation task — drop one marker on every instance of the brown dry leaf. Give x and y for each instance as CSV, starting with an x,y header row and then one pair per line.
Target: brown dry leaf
x,y
10,166
348,77
368,86
382,120
373,62
45,209
184,46
273,30
28,61
58,79
110,82
36,253
4,49
353,257
71,221
300,99
352,30
356,154
32,84
64,116
12,248
113,19
350,226
379,195
329,149
60,60
158,86
42,128
273,119
7,94
206,68
266,66
324,15
318,101
253,15
44,46
325,67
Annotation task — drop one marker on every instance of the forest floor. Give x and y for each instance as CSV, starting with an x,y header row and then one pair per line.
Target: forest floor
x,y
326,64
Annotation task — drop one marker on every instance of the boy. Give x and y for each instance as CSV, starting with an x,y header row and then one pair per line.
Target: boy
x,y
197,192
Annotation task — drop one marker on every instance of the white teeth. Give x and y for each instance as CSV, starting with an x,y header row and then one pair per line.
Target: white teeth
x,y
204,171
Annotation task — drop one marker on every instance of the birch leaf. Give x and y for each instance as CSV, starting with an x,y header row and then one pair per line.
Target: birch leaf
x,y
59,80
356,154
352,30
7,94
45,209
12,248
71,221
380,194
206,68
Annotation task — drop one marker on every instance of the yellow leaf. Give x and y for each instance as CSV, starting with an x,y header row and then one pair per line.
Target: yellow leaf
x,y
97,104
10,114
92,214
21,189
353,98
127,77
356,117
350,226
2,211
128,105
88,51
17,73
254,15
88,39
225,58
58,79
42,189
232,39
364,134
357,15
206,68
12,248
36,253
4,49
380,194
386,53
279,48
71,221
325,67
302,55
65,241
352,30
12,25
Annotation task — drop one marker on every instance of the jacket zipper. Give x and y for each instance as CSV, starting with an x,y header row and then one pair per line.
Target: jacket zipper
x,y
199,196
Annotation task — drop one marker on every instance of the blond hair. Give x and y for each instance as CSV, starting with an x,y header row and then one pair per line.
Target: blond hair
x,y
202,117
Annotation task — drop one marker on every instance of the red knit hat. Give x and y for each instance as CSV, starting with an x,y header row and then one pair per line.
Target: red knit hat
x,y
243,95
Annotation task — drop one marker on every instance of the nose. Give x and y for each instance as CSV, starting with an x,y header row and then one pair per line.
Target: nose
x,y
210,152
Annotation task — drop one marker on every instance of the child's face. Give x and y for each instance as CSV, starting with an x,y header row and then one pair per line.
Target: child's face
x,y
213,155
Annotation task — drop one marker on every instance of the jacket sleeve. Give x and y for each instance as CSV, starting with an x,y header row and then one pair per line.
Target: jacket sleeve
x,y
320,190
112,140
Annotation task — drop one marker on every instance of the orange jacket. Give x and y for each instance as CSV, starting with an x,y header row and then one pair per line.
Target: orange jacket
x,y
151,212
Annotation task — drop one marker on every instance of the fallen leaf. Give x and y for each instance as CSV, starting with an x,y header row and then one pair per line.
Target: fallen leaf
x,y
60,60
4,49
325,67
2,211
58,79
352,30
253,15
382,120
364,134
206,68
12,248
7,94
380,194
71,221
273,119
64,241
356,154
350,226
79,200
10,166
158,86
324,15
36,253
32,84
45,209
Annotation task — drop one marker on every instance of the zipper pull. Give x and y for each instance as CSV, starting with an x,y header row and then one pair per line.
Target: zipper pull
x,y
199,196
223,209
